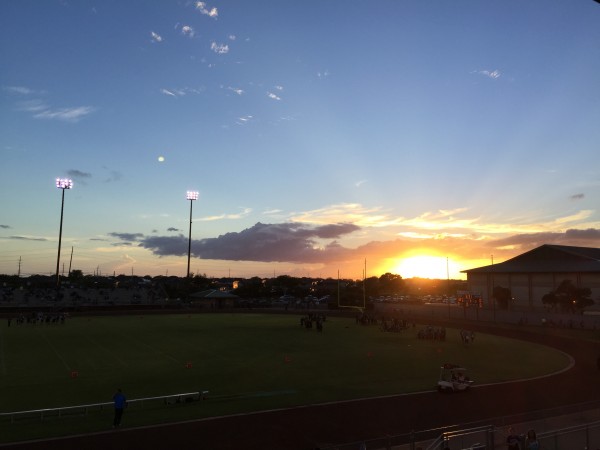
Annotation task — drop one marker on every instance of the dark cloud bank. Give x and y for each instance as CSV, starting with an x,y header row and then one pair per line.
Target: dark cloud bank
x,y
299,243
286,242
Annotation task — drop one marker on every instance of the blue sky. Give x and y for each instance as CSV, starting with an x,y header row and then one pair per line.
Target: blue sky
x,y
421,136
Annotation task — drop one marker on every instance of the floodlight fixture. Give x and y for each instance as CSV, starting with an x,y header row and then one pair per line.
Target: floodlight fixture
x,y
191,196
62,184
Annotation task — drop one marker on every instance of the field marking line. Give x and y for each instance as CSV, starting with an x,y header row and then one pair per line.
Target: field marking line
x,y
3,370
148,346
54,349
107,350
136,341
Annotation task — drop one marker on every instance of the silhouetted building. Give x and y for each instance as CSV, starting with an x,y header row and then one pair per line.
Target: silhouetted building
x,y
537,272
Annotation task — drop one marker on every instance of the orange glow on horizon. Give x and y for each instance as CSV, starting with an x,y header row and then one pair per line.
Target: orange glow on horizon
x,y
424,265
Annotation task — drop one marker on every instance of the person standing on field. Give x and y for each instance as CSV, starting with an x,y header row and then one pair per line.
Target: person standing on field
x,y
120,402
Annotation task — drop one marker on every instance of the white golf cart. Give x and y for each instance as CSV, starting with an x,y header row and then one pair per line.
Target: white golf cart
x,y
453,378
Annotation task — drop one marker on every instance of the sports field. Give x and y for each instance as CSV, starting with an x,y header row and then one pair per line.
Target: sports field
x,y
248,362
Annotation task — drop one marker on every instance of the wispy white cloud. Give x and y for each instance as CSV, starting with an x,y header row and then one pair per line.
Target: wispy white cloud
x,y
360,183
244,120
32,106
279,88
41,110
74,114
180,92
573,218
493,74
273,96
206,10
323,74
19,90
232,37
188,31
167,92
219,48
433,224
272,211
345,213
234,216
238,91
156,37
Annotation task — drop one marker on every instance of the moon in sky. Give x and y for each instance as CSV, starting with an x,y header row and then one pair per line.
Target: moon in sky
x,y
161,159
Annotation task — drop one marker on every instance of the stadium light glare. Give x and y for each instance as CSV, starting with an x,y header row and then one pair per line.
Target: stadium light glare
x,y
192,195
64,183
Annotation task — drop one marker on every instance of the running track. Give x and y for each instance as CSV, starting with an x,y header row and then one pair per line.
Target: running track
x,y
311,426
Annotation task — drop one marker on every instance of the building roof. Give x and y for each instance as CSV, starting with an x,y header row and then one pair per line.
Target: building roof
x,y
548,259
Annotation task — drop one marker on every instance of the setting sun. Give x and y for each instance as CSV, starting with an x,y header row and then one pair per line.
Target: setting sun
x,y
427,266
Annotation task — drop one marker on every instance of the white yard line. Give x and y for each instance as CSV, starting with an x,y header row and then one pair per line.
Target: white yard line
x,y
3,370
107,350
54,349
148,346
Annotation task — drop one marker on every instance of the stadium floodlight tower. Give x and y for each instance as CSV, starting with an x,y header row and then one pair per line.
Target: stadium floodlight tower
x,y
191,196
63,184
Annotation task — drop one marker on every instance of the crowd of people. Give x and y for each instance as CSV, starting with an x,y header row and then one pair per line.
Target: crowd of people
x,y
432,333
312,317
38,318
394,324
365,318
527,441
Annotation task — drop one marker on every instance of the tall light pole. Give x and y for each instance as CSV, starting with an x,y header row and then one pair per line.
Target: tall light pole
x,y
61,183
493,297
191,196
448,285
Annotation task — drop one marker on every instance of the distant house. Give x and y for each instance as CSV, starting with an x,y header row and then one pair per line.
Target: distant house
x,y
213,298
535,273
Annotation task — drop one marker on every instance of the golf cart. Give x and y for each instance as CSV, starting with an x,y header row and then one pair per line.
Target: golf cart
x,y
453,378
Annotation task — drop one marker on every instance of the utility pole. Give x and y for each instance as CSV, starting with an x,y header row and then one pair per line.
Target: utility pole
x,y
365,286
493,298
70,261
448,287
338,289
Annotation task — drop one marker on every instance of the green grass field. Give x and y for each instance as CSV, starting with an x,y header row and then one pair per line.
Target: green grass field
x,y
248,362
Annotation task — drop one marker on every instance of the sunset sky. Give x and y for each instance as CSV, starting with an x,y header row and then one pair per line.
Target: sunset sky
x,y
424,137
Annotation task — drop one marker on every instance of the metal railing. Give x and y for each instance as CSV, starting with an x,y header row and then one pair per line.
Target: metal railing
x,y
472,438
578,437
83,410
489,434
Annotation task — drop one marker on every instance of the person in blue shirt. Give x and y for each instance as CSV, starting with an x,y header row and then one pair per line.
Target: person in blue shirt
x,y
120,404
